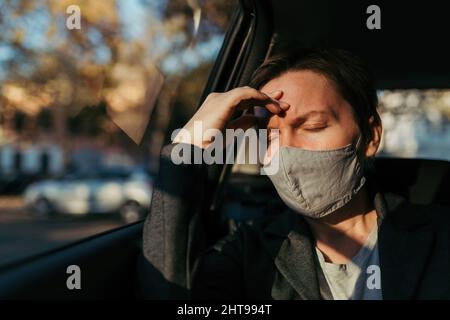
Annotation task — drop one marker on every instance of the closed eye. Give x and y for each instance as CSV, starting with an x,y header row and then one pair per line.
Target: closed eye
x,y
314,126
315,129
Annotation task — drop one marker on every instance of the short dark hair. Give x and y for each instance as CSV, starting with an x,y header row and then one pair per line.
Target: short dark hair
x,y
349,74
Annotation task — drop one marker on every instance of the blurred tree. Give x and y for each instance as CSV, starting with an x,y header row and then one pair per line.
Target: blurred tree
x,y
130,57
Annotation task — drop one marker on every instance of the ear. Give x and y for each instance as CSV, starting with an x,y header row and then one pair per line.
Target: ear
x,y
376,130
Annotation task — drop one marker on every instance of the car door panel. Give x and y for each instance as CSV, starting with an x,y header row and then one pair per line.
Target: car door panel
x,y
107,263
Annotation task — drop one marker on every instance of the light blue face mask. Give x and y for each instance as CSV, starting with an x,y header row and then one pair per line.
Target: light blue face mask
x,y
317,183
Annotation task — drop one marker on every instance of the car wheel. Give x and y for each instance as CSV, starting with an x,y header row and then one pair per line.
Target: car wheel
x,y
42,208
131,212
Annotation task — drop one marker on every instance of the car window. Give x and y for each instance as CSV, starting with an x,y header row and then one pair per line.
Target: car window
x,y
416,123
86,86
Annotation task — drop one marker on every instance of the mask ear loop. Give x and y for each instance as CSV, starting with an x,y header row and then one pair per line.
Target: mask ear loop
x,y
358,142
360,156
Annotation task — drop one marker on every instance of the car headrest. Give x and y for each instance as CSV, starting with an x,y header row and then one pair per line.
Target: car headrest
x,y
420,181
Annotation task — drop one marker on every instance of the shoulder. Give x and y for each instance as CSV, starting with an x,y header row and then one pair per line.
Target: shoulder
x,y
405,213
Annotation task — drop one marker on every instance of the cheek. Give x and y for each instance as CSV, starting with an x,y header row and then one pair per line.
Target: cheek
x,y
336,136
349,129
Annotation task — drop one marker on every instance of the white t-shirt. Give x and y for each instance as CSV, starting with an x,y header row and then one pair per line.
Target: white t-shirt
x,y
360,278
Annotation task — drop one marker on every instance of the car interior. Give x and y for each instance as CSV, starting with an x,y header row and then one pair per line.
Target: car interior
x,y
111,260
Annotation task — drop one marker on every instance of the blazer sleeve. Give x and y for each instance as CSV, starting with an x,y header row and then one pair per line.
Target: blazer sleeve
x,y
172,234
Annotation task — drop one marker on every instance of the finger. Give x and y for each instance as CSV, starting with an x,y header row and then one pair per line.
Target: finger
x,y
274,99
249,97
275,94
274,106
247,93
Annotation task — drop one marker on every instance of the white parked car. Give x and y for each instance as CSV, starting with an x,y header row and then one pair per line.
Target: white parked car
x,y
124,191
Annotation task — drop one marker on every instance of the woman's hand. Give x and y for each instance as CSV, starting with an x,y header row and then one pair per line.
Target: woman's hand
x,y
216,110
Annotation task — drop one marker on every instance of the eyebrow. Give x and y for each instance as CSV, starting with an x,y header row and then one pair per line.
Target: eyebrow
x,y
303,117
299,120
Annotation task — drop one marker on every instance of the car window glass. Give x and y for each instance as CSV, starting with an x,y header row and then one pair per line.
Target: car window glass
x,y
79,98
416,123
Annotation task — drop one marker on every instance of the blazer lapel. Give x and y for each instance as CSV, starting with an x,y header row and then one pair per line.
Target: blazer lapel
x,y
405,240
291,250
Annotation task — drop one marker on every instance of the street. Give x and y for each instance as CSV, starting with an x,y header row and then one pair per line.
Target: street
x,y
22,234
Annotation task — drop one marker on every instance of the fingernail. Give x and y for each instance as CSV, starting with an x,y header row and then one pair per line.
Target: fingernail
x,y
274,93
284,105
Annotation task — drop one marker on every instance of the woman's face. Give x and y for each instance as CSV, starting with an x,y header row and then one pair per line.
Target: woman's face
x,y
318,117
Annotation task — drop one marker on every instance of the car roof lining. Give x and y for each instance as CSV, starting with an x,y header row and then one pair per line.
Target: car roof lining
x,y
408,52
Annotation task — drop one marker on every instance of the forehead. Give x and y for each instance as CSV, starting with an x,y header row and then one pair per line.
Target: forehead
x,y
307,91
